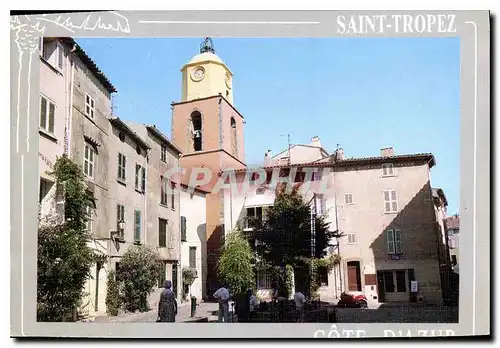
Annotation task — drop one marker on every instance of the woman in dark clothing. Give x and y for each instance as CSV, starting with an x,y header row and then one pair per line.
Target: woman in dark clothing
x,y
167,307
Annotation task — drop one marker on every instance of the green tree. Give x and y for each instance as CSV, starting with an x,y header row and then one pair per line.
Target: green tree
x,y
235,266
285,238
64,256
140,268
113,299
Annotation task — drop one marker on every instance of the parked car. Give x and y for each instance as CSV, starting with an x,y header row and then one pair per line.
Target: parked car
x,y
353,300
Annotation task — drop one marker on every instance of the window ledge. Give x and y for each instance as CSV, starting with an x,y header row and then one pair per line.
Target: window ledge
x,y
388,176
47,135
120,181
163,205
391,212
90,118
139,191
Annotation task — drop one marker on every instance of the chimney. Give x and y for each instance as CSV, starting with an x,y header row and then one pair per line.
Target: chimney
x,y
387,152
339,154
268,157
315,141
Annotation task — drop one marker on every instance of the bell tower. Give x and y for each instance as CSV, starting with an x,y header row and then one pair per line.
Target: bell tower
x,y
208,129
206,75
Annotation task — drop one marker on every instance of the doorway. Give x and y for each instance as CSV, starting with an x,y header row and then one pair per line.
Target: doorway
x,y
353,276
393,285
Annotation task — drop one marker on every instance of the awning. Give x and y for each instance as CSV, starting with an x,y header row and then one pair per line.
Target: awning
x,y
257,200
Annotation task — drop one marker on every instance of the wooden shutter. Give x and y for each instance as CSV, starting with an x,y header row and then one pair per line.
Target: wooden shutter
x,y
390,241
183,229
137,235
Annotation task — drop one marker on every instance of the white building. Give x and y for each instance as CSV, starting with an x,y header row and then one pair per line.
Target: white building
x,y
193,238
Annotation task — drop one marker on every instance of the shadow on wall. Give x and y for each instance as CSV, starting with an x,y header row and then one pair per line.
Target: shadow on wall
x,y
414,253
201,231
213,244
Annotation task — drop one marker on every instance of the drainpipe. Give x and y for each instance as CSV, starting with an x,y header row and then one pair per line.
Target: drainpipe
x,y
146,197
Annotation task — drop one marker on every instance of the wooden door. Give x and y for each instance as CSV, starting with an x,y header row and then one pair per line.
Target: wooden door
x,y
353,276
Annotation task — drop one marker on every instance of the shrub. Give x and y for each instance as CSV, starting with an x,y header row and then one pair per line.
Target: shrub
x,y
64,257
113,299
235,266
140,268
188,277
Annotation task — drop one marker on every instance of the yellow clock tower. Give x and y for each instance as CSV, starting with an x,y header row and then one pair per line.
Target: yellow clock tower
x,y
206,75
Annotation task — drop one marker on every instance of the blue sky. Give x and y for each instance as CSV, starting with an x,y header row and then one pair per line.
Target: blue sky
x,y
361,93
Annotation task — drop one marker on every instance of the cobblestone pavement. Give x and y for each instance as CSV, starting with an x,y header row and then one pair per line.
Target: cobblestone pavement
x,y
203,309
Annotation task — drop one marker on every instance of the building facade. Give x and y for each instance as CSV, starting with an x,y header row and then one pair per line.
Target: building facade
x,y
163,202
452,226
384,208
193,239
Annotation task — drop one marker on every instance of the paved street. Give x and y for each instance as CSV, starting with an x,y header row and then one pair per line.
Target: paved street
x,y
204,309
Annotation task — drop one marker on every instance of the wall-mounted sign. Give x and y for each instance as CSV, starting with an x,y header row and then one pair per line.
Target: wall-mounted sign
x,y
414,286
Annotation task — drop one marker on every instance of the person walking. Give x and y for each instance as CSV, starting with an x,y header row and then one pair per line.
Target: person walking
x,y
222,296
253,304
167,307
300,301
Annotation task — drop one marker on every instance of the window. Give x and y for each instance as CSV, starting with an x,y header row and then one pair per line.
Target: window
x,y
163,272
234,136
183,229
452,242
121,167
351,238
388,169
137,230
401,280
164,191
89,218
52,52
255,217
164,153
323,276
60,56
192,257
388,281
320,203
162,233
390,201
47,115
140,178
172,195
45,187
264,280
394,241
197,130
89,106
316,176
348,198
454,260
120,213
89,160
117,272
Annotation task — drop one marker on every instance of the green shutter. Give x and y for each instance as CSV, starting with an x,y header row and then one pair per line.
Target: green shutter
x,y
137,236
43,113
52,111
137,169
183,228
143,170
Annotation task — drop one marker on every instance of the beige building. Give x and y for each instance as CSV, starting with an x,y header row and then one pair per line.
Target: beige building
x,y
163,201
384,207
55,75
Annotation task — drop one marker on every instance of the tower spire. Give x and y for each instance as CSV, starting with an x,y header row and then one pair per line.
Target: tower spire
x,y
207,46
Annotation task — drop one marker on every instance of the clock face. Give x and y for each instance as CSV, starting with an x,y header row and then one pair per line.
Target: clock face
x,y
198,74
228,80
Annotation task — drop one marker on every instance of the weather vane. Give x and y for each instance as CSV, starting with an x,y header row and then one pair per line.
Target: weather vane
x,y
207,46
